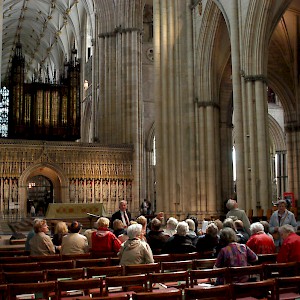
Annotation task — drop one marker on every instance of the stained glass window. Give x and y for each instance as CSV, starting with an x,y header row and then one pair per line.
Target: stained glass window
x,y
4,102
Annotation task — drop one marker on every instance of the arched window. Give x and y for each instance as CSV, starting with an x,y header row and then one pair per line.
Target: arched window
x,y
4,103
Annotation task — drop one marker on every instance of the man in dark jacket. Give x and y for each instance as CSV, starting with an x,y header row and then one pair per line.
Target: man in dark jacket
x,y
122,214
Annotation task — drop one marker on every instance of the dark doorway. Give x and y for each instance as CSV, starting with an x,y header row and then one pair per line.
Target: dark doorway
x,y
40,194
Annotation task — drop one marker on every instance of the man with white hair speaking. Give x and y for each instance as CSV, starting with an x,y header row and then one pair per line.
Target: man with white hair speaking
x,y
236,213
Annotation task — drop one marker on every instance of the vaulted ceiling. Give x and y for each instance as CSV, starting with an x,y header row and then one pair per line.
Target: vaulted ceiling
x,y
47,30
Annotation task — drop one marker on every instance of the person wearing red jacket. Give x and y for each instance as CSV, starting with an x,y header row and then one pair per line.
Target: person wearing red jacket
x,y
260,242
290,248
103,240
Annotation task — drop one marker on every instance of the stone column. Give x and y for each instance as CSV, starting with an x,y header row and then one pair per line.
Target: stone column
x,y
1,30
175,115
238,105
120,107
293,148
257,132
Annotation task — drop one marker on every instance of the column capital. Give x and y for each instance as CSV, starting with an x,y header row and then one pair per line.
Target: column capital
x,y
120,30
257,77
206,103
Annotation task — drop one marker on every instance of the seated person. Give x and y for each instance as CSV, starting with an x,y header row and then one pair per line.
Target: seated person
x,y
192,234
103,240
239,226
266,228
260,242
233,254
74,242
135,250
143,221
229,222
290,248
61,229
156,237
210,240
30,234
171,227
179,242
41,243
118,227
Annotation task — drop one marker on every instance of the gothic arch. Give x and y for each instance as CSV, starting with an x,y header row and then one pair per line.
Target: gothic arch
x,y
50,171
276,135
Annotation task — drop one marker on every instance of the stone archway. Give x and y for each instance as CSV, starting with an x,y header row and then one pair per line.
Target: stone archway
x,y
50,172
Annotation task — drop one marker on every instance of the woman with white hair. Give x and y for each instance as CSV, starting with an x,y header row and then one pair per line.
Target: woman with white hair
x,y
134,250
171,227
179,242
290,249
260,242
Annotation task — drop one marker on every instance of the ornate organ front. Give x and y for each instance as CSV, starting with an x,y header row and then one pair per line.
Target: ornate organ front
x,y
43,110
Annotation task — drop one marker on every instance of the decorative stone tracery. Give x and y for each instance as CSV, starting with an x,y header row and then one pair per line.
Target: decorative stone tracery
x,y
85,173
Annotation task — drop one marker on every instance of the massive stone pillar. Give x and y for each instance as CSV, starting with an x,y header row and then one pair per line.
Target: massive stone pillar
x,y
238,104
1,30
119,108
175,117
258,165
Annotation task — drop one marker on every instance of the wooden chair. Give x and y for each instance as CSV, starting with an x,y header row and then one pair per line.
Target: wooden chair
x,y
184,256
208,276
104,271
250,214
142,269
266,258
38,258
114,261
165,295
206,255
58,274
62,264
12,252
120,285
207,263
120,297
76,256
280,270
260,213
18,267
162,257
221,292
100,254
287,287
183,265
253,273
41,290
14,259
3,291
92,262
77,288
257,290
23,277
178,280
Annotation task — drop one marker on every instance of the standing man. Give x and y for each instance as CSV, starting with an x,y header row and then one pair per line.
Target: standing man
x,y
235,212
122,214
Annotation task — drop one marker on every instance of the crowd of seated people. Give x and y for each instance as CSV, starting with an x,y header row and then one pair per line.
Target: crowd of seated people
x,y
135,242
